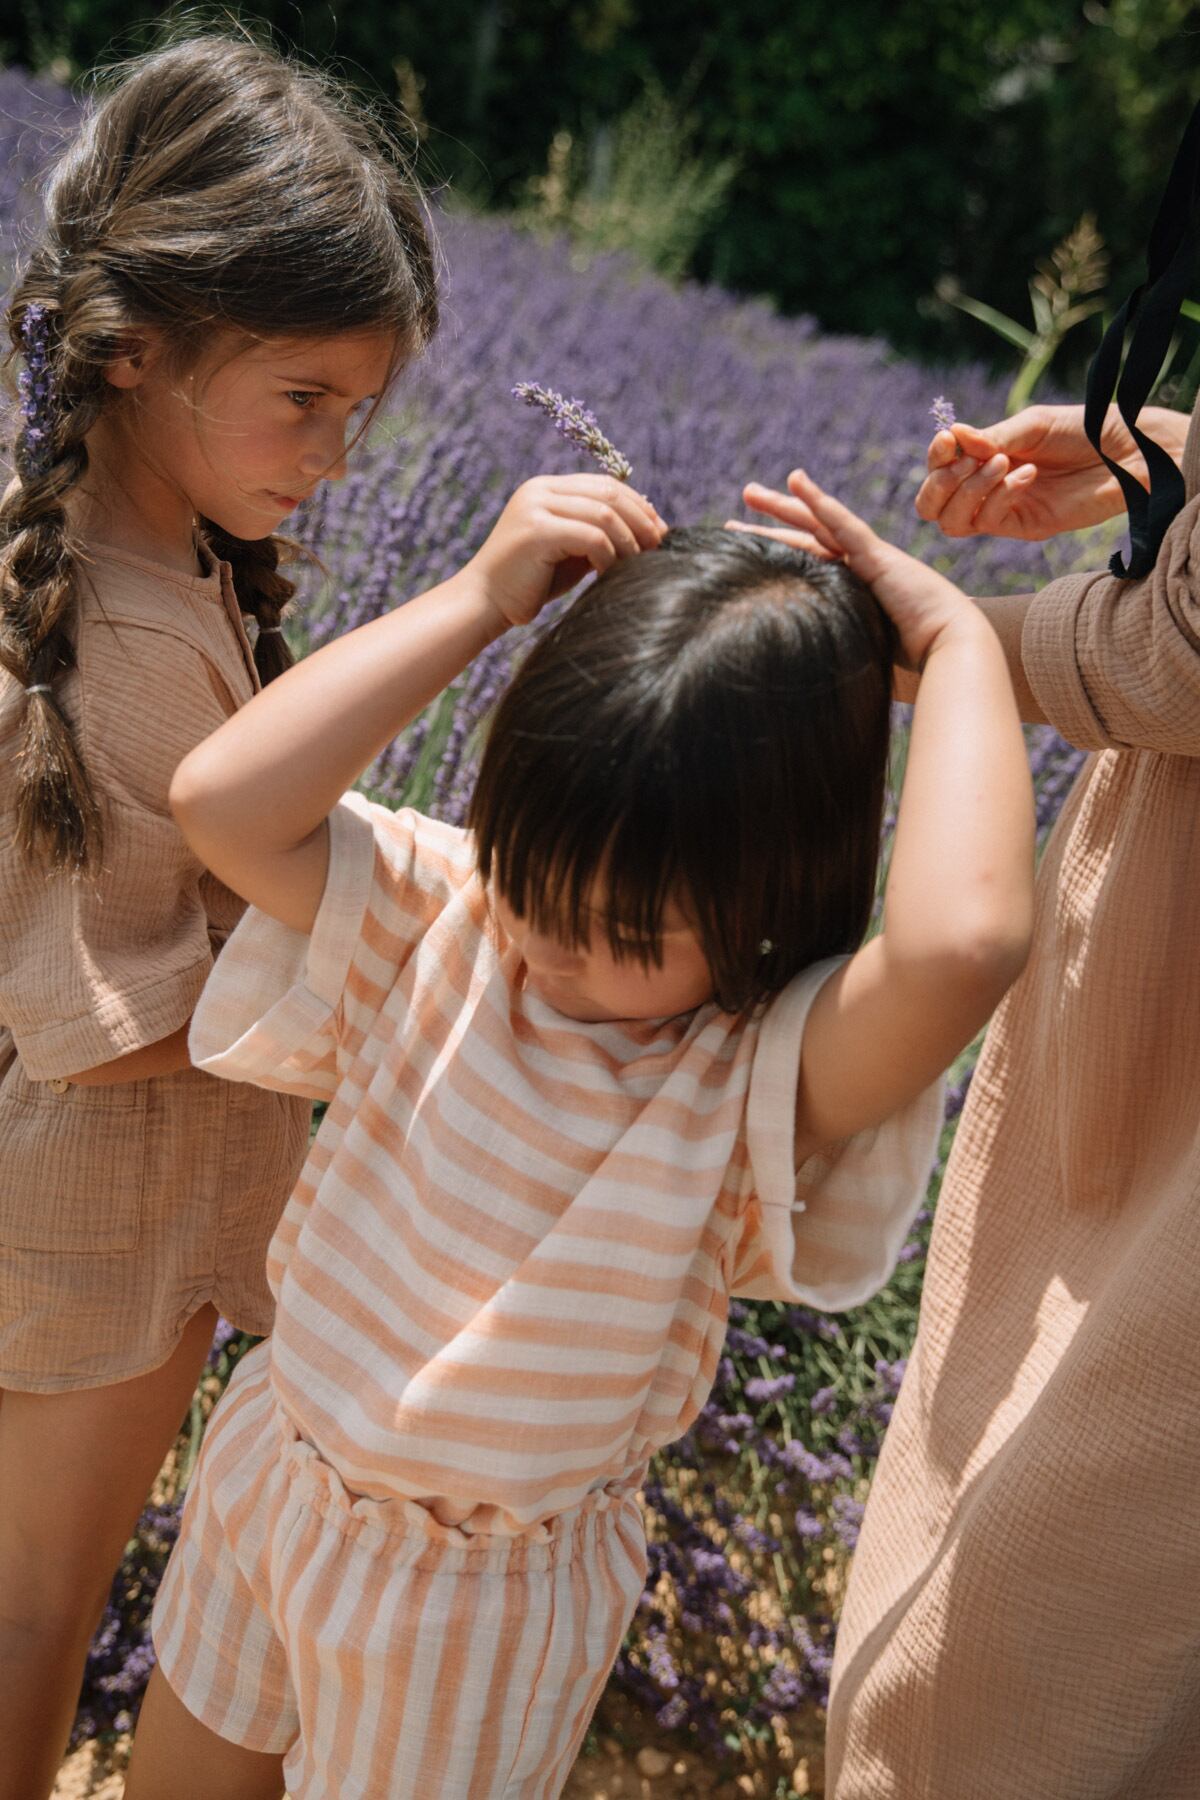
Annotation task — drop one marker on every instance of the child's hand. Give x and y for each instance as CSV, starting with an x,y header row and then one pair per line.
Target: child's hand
x,y
553,530
1035,474
919,602
790,512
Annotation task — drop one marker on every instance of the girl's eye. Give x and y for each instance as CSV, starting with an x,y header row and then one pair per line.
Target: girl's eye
x,y
303,398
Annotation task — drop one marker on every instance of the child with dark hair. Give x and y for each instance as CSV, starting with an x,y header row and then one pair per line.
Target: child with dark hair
x,y
235,265
610,1055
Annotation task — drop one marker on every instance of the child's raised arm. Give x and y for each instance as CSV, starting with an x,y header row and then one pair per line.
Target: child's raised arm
x,y
959,905
252,800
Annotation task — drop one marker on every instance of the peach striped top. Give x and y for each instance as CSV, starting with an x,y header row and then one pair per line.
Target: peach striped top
x,y
503,1278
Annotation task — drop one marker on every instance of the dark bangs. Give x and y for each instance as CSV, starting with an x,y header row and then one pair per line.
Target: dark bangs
x,y
707,724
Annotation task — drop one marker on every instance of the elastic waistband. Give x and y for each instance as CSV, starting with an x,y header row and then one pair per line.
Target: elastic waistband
x,y
408,1531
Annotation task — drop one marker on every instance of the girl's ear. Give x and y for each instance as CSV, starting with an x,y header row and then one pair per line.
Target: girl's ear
x,y
138,353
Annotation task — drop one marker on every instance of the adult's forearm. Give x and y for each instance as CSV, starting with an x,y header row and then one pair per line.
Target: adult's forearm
x,y
1006,615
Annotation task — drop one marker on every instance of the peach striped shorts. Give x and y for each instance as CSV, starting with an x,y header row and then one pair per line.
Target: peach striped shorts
x,y
386,1655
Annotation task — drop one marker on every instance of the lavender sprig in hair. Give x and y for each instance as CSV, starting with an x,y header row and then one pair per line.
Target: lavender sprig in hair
x,y
571,419
943,413
36,386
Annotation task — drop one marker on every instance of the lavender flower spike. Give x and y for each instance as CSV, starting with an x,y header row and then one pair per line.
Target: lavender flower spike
x,y
36,387
943,413
571,419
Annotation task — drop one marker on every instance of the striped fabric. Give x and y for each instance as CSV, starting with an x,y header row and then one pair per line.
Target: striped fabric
x,y
503,1278
502,1283
387,1655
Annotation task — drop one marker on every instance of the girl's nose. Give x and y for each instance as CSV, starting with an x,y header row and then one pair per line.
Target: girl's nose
x,y
325,459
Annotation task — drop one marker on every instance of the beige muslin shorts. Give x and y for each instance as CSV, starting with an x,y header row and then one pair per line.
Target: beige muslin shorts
x,y
124,1209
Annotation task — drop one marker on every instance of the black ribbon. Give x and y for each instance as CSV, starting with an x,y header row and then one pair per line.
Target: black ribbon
x,y
1152,309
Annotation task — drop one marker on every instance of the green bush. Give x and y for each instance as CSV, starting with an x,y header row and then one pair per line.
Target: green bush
x,y
864,152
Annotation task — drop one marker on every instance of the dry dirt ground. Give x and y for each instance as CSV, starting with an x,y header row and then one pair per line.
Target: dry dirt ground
x,y
628,1760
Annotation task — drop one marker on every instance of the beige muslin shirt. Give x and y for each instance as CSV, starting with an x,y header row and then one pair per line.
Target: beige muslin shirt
x,y
1023,1615
163,660
124,1207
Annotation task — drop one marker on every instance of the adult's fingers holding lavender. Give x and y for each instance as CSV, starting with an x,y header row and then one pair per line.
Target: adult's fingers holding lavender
x,y
997,515
940,486
943,450
967,500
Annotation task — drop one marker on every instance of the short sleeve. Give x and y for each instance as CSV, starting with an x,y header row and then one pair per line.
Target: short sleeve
x,y
829,1233
289,1011
95,967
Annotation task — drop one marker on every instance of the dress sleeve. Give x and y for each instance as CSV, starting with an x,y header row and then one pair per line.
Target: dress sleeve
x,y
826,1234
290,1011
1116,664
104,965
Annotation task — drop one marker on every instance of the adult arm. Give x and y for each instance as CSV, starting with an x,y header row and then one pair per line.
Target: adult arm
x,y
1116,664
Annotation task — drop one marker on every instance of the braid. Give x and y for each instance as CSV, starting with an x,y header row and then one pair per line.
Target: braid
x,y
58,819
215,188
261,590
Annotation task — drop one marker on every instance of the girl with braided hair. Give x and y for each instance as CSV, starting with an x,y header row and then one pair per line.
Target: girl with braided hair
x,y
235,262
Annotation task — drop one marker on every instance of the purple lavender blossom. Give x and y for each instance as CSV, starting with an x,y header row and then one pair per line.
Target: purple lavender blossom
x,y
943,413
35,384
223,1335
891,1374
784,1692
847,1518
572,420
760,1389
659,1660
674,1713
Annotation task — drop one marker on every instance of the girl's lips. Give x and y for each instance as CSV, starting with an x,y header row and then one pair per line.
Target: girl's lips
x,y
291,501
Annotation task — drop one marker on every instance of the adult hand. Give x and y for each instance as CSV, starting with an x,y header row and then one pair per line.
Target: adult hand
x,y
1035,474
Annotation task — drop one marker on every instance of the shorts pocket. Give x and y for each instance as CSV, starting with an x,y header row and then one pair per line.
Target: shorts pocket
x,y
72,1165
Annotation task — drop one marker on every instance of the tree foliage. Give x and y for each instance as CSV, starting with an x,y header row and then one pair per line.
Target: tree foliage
x,y
876,147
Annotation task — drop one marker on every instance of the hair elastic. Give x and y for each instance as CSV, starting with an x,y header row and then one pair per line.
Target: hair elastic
x,y
266,630
40,687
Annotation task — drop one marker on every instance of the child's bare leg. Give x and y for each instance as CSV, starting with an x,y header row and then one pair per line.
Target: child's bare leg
x,y
75,1470
175,1757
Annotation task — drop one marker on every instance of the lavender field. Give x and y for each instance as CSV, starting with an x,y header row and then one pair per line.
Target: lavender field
x,y
754,1515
